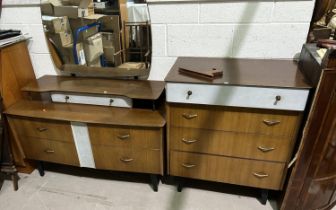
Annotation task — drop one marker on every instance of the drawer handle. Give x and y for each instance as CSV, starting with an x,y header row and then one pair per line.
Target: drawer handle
x,y
189,93
271,122
277,99
124,137
49,151
126,160
261,175
190,141
111,101
66,98
42,129
186,165
189,116
265,149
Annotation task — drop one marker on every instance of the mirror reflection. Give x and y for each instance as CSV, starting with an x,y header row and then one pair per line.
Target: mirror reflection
x,y
86,34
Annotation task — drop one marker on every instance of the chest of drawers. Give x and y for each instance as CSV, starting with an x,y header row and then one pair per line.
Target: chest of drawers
x,y
239,129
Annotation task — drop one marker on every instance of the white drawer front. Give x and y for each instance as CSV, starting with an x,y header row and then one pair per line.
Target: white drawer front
x,y
238,96
117,101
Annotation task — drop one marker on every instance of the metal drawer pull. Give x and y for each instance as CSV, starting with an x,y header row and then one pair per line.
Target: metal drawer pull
x,y
66,99
42,129
265,149
271,122
189,93
189,141
260,175
186,165
111,101
189,116
124,137
277,99
50,151
126,160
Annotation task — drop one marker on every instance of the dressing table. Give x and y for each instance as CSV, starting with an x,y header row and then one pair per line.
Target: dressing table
x,y
240,128
93,123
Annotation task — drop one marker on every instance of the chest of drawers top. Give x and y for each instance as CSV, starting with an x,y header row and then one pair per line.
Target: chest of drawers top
x,y
261,84
241,72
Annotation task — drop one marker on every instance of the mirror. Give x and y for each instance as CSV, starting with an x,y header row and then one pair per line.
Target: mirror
x,y
102,38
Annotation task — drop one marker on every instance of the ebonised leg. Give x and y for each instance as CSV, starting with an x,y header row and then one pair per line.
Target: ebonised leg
x,y
2,179
154,182
264,197
40,168
180,184
15,180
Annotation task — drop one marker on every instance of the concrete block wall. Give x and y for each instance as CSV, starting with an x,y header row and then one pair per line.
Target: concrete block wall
x,y
225,28
26,16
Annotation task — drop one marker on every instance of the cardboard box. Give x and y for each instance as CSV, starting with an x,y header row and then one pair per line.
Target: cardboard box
x,y
76,23
100,5
81,3
111,45
73,11
68,56
111,39
93,47
61,39
47,9
110,23
66,3
95,63
55,2
57,24
133,65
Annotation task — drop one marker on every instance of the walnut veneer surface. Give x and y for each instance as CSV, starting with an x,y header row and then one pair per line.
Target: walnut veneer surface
x,y
135,89
121,139
16,71
87,114
244,72
239,145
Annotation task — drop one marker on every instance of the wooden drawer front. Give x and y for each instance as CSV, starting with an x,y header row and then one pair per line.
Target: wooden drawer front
x,y
50,151
45,129
251,146
116,101
125,137
260,174
122,159
238,96
275,123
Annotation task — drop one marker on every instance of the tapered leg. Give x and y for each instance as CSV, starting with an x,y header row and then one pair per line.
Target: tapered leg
x,y
180,184
154,182
1,181
15,181
40,168
264,196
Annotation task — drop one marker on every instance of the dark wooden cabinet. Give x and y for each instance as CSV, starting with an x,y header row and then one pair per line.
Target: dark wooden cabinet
x,y
313,181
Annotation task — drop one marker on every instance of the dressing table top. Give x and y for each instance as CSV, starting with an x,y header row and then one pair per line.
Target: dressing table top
x,y
87,114
135,89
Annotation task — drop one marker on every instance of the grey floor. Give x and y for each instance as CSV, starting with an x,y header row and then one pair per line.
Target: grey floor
x,y
59,190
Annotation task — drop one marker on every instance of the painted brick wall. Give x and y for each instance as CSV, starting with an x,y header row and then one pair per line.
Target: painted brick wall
x,y
226,28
